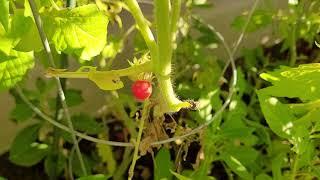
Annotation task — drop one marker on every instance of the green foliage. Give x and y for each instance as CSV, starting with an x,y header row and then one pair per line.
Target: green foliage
x,y
81,31
270,130
85,123
13,67
76,168
73,97
21,112
163,165
95,177
25,150
4,16
260,19
54,164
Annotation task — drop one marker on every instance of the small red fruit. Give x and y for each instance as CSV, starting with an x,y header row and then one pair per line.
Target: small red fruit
x,y
141,89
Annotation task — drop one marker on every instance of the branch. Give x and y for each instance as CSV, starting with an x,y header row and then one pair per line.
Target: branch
x,y
143,27
47,48
65,128
145,114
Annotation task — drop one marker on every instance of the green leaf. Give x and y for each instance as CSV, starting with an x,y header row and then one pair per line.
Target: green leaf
x,y
304,79
6,45
83,122
163,165
25,151
95,177
21,112
2,178
237,167
30,35
4,15
277,115
73,97
260,19
76,168
263,177
179,176
14,67
81,31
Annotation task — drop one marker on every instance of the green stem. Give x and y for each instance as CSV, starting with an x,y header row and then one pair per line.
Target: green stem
x,y
295,166
163,63
175,14
146,67
145,114
55,144
47,48
143,27
122,168
293,47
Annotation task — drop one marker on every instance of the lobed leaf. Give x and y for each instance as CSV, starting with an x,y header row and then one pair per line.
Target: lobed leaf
x,y
81,31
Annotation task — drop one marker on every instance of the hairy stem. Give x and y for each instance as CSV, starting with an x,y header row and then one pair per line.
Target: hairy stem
x,y
145,113
47,48
162,14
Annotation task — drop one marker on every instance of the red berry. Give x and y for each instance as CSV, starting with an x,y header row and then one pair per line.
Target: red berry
x,y
141,89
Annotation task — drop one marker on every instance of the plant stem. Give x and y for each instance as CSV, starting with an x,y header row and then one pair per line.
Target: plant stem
x,y
295,166
58,117
126,160
163,63
293,46
65,128
47,48
175,14
143,27
145,67
145,114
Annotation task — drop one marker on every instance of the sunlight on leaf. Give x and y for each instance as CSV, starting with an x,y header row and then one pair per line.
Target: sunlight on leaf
x,y
81,31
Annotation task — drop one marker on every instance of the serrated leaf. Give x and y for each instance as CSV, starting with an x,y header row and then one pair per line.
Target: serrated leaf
x,y
25,151
83,122
163,165
21,112
4,15
14,67
81,31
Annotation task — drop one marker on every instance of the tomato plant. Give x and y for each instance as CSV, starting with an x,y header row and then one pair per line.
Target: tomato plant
x,y
189,114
